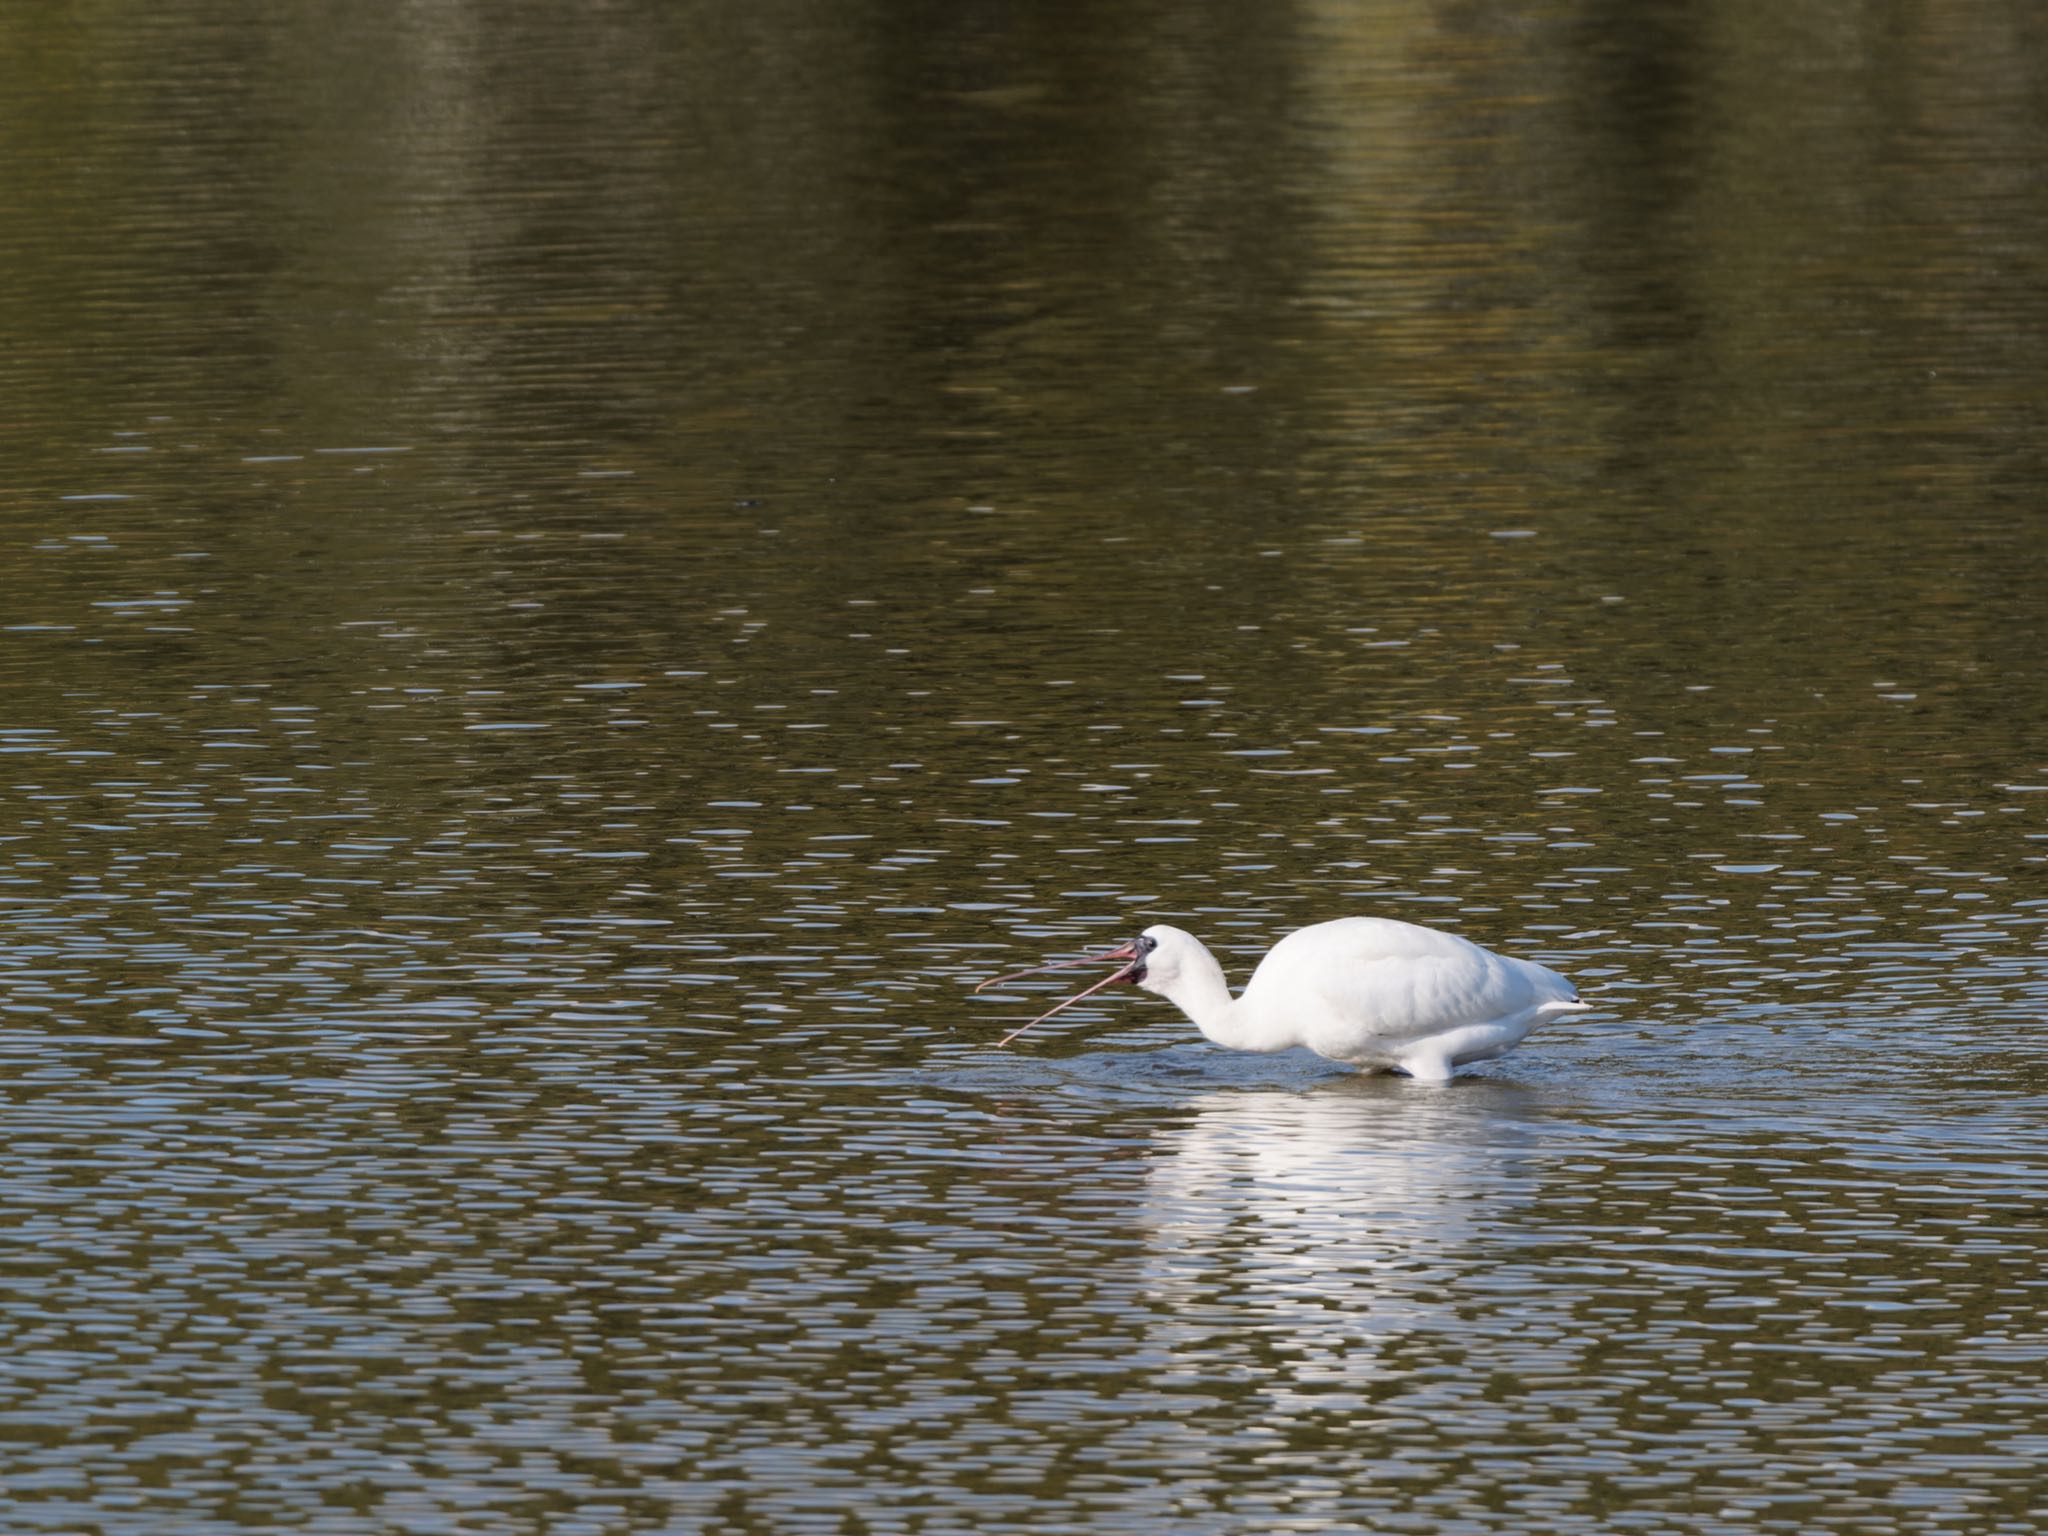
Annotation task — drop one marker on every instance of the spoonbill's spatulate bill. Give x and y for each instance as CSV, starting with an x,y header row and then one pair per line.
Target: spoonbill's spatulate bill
x,y
1370,991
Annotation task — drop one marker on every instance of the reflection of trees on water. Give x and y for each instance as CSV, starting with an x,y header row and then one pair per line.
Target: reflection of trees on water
x,y
1293,304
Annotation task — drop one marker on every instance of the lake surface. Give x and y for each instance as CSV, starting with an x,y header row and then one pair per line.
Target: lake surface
x,y
574,576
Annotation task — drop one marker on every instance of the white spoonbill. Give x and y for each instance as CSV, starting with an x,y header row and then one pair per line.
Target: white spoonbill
x,y
1368,991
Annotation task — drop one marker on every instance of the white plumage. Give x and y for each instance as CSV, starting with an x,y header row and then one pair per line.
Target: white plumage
x,y
1368,991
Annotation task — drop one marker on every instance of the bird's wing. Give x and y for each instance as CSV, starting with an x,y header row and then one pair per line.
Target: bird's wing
x,y
1395,981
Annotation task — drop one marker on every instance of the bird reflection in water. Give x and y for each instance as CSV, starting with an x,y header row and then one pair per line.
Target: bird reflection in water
x,y
1323,1228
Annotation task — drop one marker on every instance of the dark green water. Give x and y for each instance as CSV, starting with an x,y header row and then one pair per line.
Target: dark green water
x,y
571,576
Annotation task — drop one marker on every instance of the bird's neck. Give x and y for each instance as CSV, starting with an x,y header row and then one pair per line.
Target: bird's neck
x,y
1201,992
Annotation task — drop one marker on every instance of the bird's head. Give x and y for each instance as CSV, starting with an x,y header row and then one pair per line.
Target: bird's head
x,y
1160,955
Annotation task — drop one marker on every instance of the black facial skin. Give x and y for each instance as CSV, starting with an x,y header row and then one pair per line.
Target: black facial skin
x,y
1144,946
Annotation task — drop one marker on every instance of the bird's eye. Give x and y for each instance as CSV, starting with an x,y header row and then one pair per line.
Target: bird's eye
x,y
1146,943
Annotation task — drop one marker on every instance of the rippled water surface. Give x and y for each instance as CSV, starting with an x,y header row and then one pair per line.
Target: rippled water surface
x,y
573,577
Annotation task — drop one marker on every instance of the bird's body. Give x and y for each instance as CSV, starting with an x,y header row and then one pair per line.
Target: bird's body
x,y
1368,991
